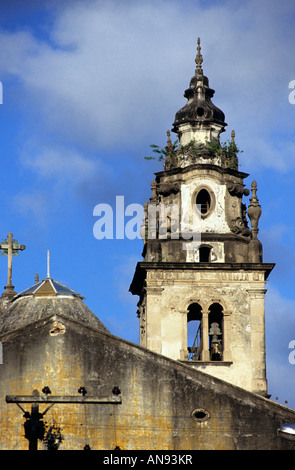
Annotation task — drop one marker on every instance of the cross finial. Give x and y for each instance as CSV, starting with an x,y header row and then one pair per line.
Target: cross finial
x,y
199,59
10,247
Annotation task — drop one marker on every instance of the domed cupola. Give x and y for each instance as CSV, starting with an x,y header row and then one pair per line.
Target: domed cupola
x,y
47,299
199,120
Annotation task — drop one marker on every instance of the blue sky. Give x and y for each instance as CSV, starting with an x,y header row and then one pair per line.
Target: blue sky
x,y
88,86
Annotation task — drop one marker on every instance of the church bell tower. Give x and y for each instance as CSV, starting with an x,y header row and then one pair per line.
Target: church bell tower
x,y
201,284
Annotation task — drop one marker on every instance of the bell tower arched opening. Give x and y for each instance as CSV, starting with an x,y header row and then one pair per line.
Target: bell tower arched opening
x,y
194,331
215,320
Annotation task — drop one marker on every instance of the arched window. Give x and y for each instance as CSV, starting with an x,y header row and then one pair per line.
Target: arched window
x,y
215,332
204,254
194,332
203,201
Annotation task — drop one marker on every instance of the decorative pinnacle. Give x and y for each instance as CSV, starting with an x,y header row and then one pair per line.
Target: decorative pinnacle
x,y
168,137
254,211
199,59
254,200
169,143
233,134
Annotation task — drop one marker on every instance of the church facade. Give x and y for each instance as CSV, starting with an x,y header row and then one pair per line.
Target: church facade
x,y
197,380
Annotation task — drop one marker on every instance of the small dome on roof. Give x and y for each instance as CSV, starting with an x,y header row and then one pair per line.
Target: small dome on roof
x,y
45,300
48,287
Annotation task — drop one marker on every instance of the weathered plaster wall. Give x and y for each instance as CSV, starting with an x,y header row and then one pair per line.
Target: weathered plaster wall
x,y
171,291
158,396
216,221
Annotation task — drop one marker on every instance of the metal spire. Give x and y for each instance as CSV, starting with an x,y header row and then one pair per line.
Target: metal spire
x,y
48,264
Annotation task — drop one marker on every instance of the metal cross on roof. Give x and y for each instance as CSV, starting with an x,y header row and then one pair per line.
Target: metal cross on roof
x,y
10,247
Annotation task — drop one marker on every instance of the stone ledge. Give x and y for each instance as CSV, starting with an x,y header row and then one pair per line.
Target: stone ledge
x,y
205,363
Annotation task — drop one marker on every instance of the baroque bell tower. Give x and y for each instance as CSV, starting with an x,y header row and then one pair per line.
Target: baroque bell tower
x,y
201,284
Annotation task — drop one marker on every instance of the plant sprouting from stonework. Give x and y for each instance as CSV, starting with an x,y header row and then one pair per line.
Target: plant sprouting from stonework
x,y
174,153
226,151
168,153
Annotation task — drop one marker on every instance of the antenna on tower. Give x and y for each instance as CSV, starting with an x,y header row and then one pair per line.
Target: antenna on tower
x,y
48,264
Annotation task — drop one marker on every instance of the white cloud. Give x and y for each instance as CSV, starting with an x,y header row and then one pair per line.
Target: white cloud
x,y
56,176
109,76
35,205
113,73
59,163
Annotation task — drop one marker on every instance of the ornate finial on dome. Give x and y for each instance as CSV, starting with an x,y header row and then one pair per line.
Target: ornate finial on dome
x,y
199,120
199,59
